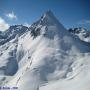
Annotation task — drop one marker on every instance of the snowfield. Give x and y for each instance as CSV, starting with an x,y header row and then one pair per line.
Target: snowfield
x,y
45,57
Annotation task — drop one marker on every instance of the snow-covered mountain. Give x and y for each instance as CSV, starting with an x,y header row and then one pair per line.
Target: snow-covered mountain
x,y
45,56
82,33
11,33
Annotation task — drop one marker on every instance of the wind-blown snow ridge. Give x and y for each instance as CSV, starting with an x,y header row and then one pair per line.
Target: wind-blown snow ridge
x,y
45,57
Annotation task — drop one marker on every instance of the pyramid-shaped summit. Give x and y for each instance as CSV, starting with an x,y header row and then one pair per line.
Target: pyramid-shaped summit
x,y
48,18
49,23
48,14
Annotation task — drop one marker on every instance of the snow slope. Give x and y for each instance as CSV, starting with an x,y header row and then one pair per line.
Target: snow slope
x,y
46,57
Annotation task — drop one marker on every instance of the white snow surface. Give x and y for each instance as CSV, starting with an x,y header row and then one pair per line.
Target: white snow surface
x,y
54,60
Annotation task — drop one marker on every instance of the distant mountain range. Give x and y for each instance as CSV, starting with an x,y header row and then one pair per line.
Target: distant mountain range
x,y
82,33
